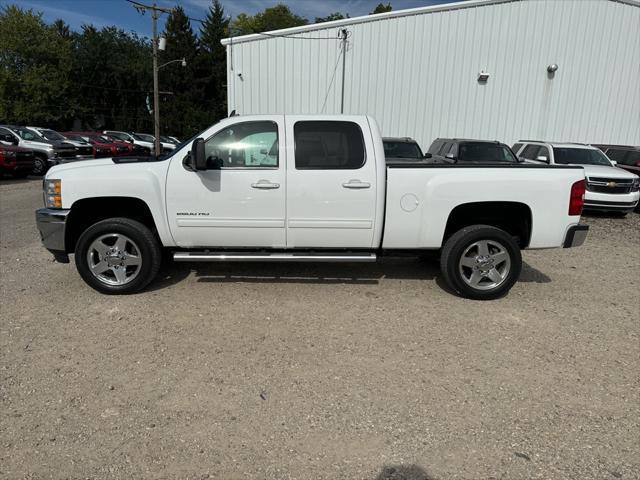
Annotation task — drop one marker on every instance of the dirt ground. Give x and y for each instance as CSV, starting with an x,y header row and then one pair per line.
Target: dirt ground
x,y
320,372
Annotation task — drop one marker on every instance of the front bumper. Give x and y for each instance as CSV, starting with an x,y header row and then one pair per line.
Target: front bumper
x,y
576,235
625,202
52,224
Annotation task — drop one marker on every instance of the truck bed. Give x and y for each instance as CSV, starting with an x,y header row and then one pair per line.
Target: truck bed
x,y
421,196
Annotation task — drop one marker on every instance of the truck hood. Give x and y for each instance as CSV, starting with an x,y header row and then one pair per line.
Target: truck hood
x,y
54,172
608,172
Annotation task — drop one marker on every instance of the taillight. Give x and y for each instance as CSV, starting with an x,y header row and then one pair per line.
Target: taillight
x,y
576,200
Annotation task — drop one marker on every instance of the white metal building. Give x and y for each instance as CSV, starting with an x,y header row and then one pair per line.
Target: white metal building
x,y
417,71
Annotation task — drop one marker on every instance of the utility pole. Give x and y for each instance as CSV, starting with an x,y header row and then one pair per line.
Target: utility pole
x,y
344,62
155,14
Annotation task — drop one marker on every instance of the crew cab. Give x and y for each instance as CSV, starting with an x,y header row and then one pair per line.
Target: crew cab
x,y
608,188
310,188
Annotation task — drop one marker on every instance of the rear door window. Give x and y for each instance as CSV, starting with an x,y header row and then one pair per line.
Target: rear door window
x,y
328,145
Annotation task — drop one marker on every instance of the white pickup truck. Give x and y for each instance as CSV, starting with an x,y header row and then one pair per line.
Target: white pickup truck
x,y
307,189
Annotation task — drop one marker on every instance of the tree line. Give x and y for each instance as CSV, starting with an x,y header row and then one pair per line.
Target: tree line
x,y
96,78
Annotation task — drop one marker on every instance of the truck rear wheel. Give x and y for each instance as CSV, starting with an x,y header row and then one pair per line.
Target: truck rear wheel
x,y
481,262
118,256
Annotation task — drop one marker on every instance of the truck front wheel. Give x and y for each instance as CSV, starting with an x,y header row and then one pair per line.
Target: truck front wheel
x,y
481,262
40,165
118,256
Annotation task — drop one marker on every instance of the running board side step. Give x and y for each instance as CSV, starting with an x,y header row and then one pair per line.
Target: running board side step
x,y
272,257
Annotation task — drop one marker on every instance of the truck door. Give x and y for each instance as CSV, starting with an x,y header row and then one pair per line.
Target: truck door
x,y
240,200
331,183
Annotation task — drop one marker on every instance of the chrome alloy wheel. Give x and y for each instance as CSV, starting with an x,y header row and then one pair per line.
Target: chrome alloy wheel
x,y
485,264
114,259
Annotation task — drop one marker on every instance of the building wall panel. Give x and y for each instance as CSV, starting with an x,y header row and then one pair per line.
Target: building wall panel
x,y
417,73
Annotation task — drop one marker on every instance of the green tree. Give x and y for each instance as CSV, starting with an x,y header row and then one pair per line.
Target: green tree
x,y
112,76
331,17
273,18
213,62
382,8
179,113
35,63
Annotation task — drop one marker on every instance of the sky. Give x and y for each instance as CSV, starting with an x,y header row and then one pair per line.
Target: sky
x,y
101,13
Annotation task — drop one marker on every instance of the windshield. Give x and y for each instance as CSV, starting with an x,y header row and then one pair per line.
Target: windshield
x,y
402,150
26,134
485,152
144,137
51,135
165,139
178,147
120,136
580,156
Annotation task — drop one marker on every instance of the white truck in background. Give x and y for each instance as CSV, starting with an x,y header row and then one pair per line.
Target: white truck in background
x,y
304,188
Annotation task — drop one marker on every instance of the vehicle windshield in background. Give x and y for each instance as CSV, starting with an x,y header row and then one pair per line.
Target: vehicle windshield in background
x,y
52,135
485,152
26,134
144,137
106,139
402,150
166,139
120,136
580,156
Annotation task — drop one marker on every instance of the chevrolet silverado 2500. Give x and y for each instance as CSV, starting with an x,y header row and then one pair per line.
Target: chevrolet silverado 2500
x,y
304,188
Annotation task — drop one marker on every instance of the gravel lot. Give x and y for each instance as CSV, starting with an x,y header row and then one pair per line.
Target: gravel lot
x,y
309,372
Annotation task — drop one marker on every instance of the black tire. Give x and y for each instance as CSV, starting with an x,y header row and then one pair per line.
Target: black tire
x,y
454,274
40,167
149,251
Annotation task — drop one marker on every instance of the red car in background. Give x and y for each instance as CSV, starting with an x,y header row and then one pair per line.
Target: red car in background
x,y
134,149
16,161
102,147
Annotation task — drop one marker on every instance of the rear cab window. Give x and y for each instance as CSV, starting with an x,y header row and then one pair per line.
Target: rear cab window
x,y
328,145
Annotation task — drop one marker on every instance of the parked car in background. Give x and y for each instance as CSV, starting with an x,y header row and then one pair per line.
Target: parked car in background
x,y
222,197
174,140
133,149
131,138
84,150
47,153
102,142
460,150
100,149
608,188
167,146
626,157
16,161
402,149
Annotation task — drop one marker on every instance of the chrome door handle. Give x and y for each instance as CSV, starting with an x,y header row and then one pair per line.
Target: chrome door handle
x,y
356,184
265,185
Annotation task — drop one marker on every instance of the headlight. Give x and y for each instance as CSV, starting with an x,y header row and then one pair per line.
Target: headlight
x,y
53,193
636,185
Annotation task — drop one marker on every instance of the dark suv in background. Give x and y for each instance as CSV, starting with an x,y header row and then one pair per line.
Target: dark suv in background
x,y
402,149
461,150
625,156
